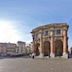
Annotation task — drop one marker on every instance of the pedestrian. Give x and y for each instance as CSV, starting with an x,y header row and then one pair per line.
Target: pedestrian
x,y
33,56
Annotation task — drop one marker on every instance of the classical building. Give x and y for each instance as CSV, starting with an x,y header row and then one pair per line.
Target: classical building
x,y
51,40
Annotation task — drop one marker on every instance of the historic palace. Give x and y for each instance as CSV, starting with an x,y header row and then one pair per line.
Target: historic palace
x,y
51,40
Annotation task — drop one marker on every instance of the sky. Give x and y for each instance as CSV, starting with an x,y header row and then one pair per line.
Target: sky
x,y
19,17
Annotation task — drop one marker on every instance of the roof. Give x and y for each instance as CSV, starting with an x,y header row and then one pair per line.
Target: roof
x,y
51,25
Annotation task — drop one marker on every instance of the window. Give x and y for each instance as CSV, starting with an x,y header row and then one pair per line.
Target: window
x,y
58,32
46,33
35,37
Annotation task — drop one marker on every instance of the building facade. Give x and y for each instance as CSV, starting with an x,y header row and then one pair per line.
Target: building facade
x,y
51,40
7,48
21,47
12,48
29,48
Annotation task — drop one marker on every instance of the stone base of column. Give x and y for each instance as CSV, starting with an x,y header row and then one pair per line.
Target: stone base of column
x,y
41,55
52,55
65,55
33,54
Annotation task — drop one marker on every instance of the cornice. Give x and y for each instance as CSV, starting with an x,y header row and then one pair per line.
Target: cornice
x,y
53,25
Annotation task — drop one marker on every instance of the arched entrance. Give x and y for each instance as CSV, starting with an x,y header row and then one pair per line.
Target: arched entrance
x,y
37,49
46,48
58,48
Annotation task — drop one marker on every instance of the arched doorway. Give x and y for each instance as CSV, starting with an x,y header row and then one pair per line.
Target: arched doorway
x,y
37,49
58,48
46,48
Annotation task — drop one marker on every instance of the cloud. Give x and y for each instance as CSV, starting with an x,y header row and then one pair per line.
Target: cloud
x,y
7,32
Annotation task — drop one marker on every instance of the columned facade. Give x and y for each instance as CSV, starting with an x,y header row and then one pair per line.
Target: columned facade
x,y
51,40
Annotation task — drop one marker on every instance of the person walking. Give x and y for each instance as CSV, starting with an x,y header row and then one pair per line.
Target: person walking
x,y
33,55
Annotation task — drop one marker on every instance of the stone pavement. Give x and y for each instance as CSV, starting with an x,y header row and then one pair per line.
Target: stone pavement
x,y
35,65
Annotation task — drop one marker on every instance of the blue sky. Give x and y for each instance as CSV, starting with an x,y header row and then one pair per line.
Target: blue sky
x,y
28,14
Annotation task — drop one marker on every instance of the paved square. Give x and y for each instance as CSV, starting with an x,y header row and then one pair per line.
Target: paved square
x,y
36,65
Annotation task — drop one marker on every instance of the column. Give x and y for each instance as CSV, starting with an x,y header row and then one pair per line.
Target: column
x,y
41,45
52,55
33,46
41,49
65,54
